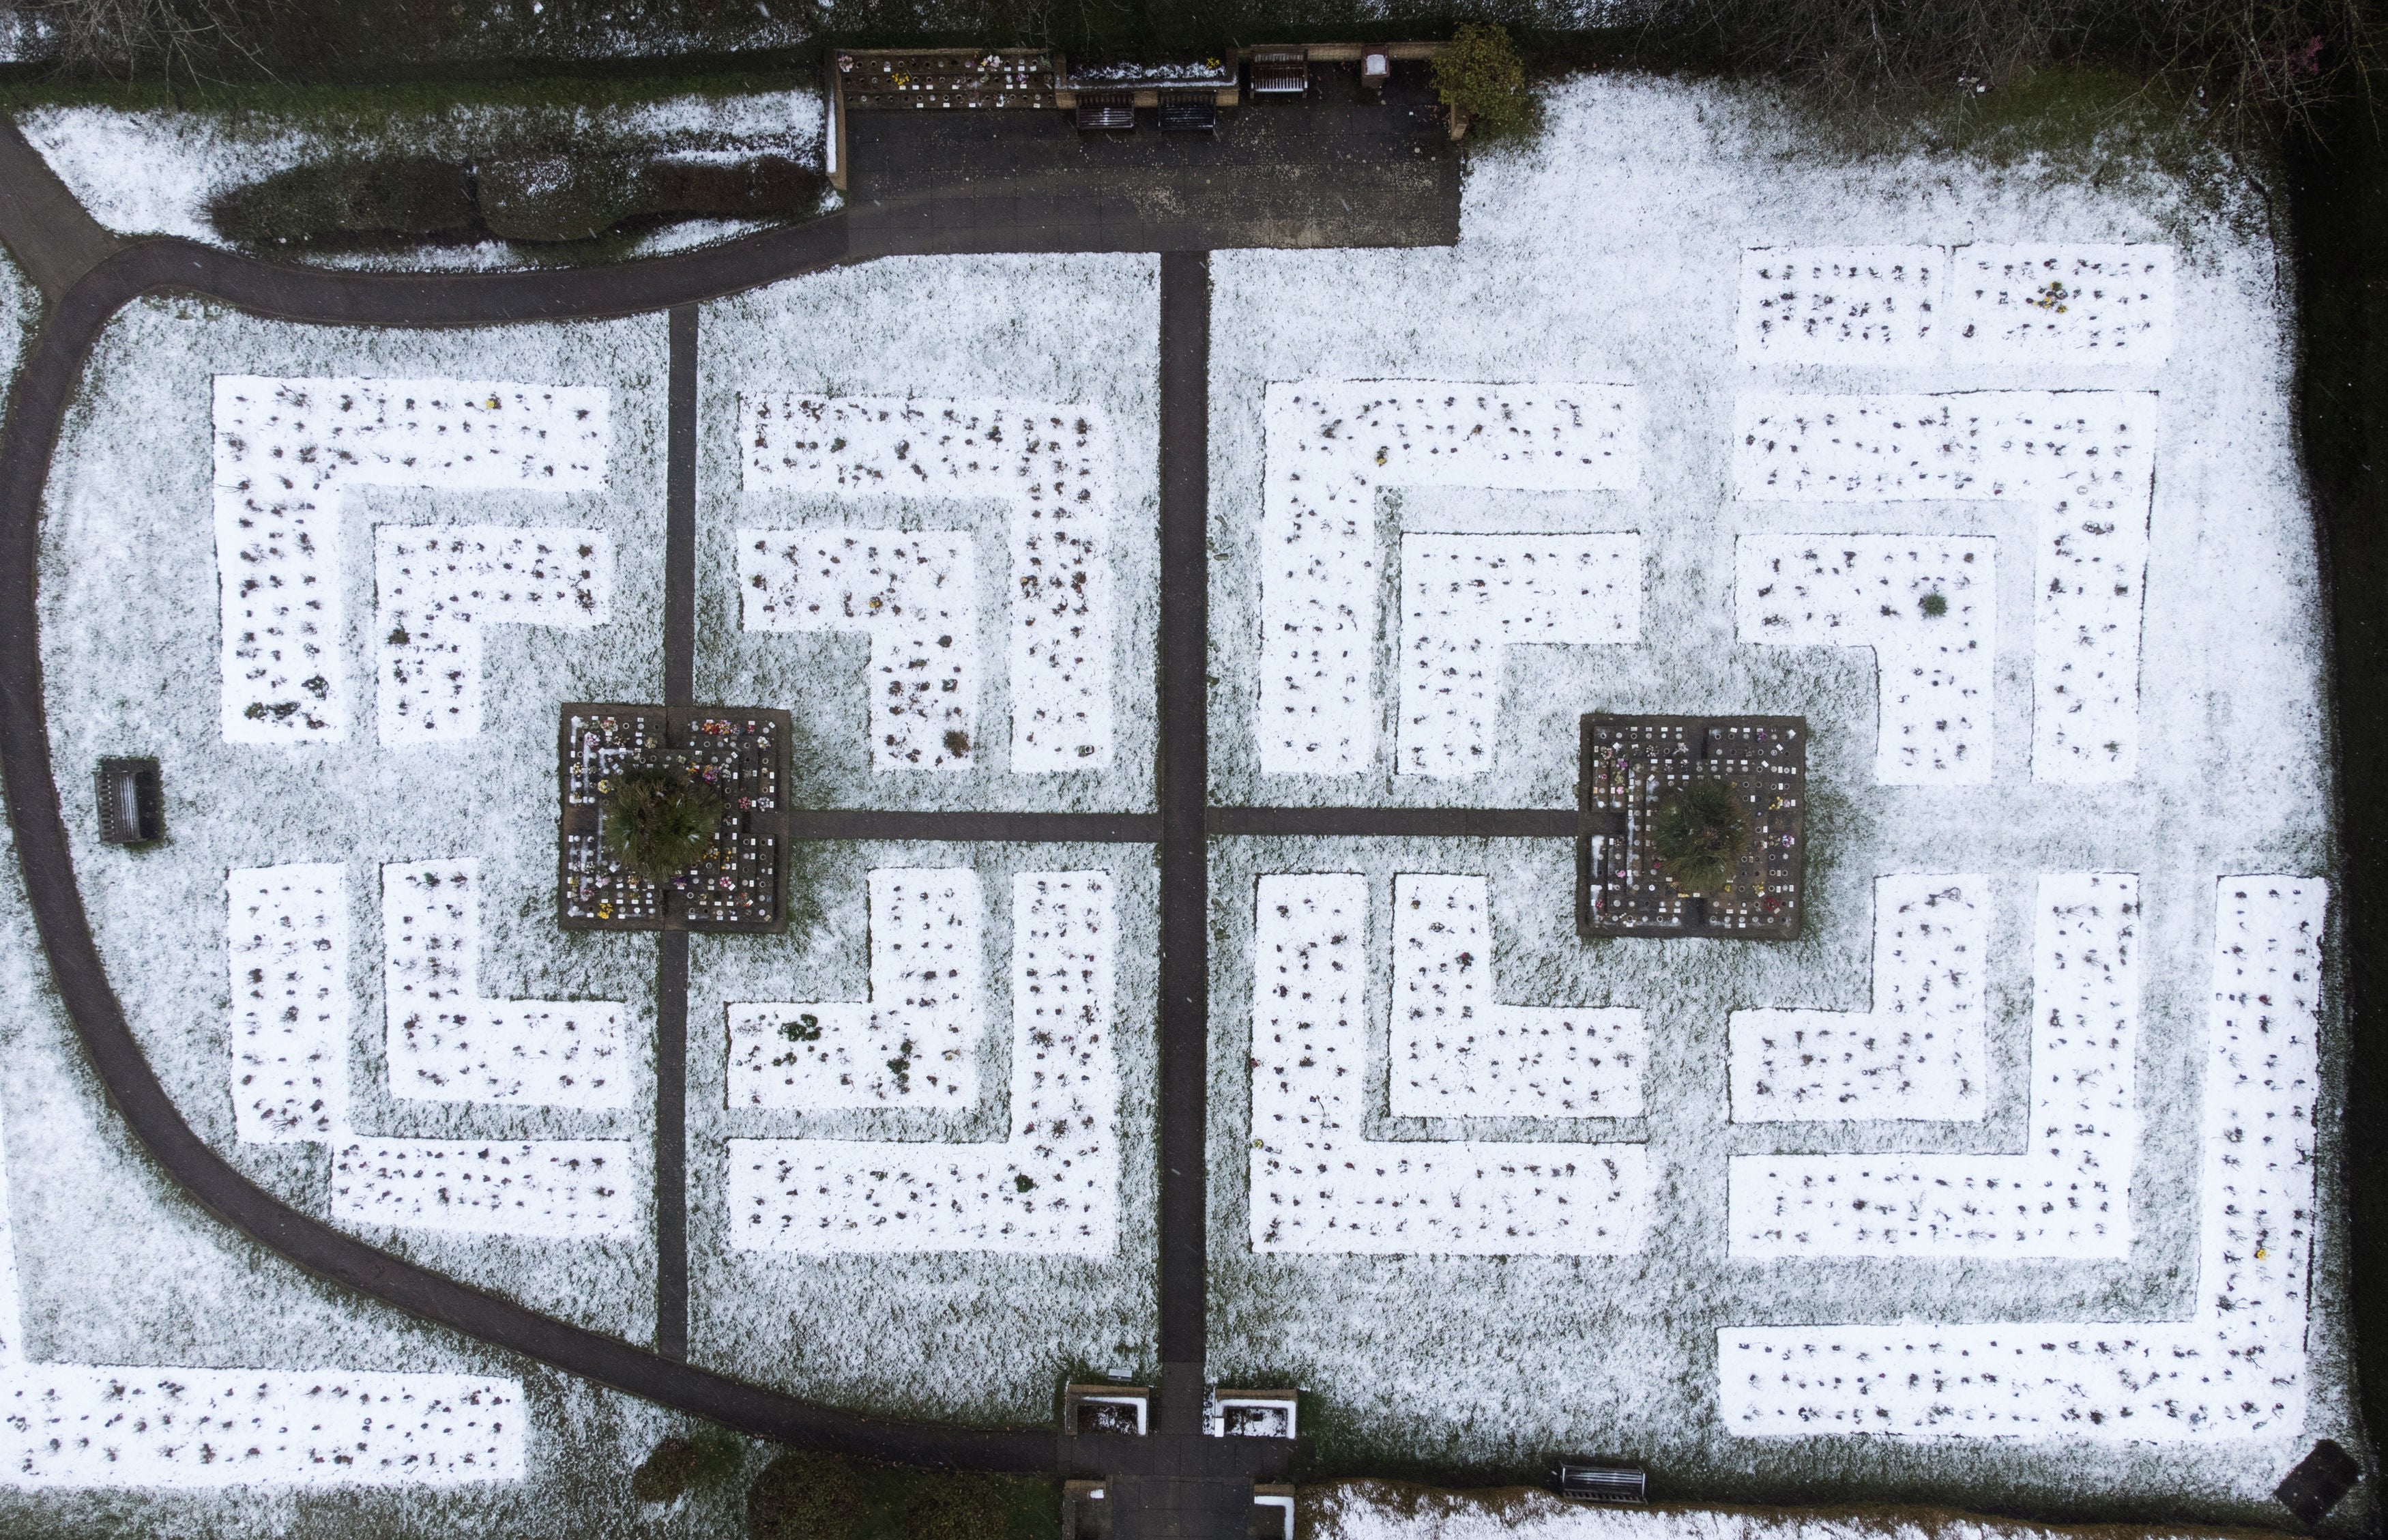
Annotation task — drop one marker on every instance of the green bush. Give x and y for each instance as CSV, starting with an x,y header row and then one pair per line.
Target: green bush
x,y
960,1508
658,821
678,1464
1481,75
560,197
804,1494
1701,832
407,196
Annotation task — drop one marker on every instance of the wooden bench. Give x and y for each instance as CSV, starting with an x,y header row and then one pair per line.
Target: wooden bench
x,y
1601,1483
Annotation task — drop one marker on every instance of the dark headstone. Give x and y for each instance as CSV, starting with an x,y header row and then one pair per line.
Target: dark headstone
x,y
2320,1481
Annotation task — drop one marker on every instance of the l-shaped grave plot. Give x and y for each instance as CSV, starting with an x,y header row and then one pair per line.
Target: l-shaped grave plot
x,y
2235,1368
286,454
916,594
1331,447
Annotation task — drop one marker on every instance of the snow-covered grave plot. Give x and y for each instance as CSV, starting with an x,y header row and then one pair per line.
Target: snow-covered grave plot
x,y
1051,465
438,585
1458,1051
1051,1189
2067,1195
1466,598
1319,1185
447,1043
286,450
575,1189
1909,307
286,940
1880,306
914,1042
1330,447
2084,459
1918,1053
67,1425
2235,1368
1926,605
914,593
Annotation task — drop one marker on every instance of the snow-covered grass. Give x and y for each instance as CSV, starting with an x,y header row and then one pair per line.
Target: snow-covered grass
x,y
2062,1195
1054,474
882,1252
286,450
953,352
1051,1189
132,642
2236,1368
1392,1511
438,587
1917,1053
153,171
926,1010
1459,1050
1615,250
1319,1184
1331,447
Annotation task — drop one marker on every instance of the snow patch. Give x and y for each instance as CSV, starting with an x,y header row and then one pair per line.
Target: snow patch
x,y
287,941
1331,445
1877,306
1469,597
1319,1185
448,1044
1916,1054
1924,604
2066,1196
914,594
285,451
2236,1368
1459,1053
1051,1189
573,1189
1051,465
914,1042
439,584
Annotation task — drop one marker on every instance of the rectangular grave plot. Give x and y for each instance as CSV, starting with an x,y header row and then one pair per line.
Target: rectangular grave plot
x,y
1629,764
741,883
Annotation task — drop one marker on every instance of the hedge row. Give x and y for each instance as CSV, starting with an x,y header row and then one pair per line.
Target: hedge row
x,y
528,198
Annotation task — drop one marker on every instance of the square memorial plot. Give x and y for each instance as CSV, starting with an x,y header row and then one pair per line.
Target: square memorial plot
x,y
1691,826
734,760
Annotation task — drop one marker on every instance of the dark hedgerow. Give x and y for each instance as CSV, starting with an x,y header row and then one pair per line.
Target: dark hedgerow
x,y
659,821
1701,832
676,1464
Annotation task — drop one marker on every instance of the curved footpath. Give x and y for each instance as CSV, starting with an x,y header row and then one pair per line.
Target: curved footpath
x,y
1145,1471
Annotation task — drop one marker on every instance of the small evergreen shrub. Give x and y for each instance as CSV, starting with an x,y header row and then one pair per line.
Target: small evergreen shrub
x,y
1481,76
1701,832
804,1494
658,821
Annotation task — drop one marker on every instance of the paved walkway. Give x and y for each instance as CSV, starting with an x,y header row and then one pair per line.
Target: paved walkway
x,y
1173,1482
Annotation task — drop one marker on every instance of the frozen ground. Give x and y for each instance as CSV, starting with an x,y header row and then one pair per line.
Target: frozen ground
x,y
153,171
1921,454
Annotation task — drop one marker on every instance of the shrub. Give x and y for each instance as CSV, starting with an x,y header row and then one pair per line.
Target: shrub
x,y
557,198
959,1507
804,1494
407,196
658,821
1701,832
1480,75
678,1464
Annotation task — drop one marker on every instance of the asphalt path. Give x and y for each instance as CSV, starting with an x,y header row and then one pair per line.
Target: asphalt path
x,y
1180,1470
